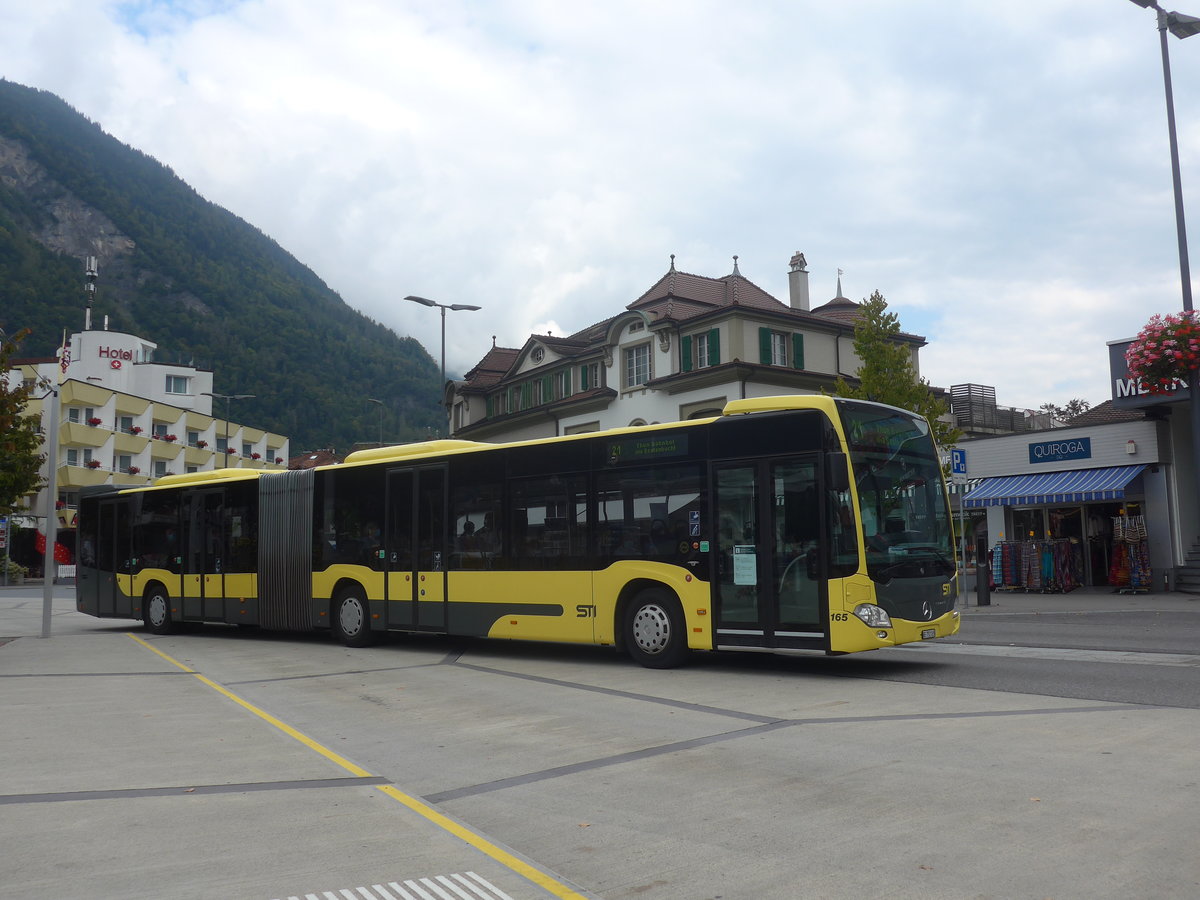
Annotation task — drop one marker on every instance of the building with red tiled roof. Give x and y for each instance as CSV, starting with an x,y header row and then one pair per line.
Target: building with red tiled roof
x,y
683,349
313,458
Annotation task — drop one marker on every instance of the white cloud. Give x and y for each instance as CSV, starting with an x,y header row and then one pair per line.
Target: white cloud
x,y
998,171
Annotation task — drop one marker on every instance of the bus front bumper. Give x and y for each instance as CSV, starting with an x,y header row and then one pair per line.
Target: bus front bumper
x,y
905,631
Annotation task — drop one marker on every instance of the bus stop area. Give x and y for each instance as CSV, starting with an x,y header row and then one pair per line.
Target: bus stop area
x,y
133,768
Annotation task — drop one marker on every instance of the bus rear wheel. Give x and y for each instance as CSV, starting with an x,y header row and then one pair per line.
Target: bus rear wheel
x,y
654,631
156,610
351,618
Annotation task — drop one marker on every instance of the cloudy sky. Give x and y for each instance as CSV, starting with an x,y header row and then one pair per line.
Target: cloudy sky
x,y
998,170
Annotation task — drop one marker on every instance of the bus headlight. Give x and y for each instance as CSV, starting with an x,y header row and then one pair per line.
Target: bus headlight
x,y
873,615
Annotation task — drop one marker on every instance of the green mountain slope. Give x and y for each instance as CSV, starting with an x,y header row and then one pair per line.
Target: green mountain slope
x,y
204,285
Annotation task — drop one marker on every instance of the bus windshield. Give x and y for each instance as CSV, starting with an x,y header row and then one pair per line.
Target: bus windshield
x,y
905,515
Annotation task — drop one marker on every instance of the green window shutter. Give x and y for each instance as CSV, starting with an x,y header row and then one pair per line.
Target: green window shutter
x,y
527,395
797,351
714,347
547,389
583,385
764,346
490,407
685,353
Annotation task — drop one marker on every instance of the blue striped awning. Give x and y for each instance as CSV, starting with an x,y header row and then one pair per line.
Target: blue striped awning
x,y
1075,486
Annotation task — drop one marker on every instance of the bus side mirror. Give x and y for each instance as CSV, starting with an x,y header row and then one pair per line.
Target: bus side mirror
x,y
836,472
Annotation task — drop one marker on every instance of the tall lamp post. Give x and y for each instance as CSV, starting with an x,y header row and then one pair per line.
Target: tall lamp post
x,y
228,398
1181,26
380,402
454,307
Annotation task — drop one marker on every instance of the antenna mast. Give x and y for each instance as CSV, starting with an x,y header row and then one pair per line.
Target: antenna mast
x,y
89,290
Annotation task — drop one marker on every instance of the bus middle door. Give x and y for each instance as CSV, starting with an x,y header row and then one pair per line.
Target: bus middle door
x,y
416,548
398,550
204,556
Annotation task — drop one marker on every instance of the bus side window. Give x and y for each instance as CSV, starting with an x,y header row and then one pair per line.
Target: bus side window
x,y
473,517
545,529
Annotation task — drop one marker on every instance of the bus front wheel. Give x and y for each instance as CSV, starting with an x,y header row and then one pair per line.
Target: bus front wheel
x,y
654,631
351,618
156,610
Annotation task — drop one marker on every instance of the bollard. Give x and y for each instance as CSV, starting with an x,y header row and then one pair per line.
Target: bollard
x,y
983,575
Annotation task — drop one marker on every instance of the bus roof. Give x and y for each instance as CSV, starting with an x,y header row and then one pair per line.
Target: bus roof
x,y
453,446
203,477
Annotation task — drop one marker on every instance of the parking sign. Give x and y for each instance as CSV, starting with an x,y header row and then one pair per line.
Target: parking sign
x,y
958,462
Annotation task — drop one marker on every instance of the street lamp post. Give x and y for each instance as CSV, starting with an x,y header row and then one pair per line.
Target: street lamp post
x,y
443,307
228,398
48,565
1181,26
380,402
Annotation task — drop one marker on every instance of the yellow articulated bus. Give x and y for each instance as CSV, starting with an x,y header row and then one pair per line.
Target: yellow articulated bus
x,y
796,523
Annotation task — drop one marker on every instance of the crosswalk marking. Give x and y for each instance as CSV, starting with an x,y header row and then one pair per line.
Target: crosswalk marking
x,y
459,886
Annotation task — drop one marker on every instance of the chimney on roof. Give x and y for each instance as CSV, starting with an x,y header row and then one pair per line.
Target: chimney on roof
x,y
798,281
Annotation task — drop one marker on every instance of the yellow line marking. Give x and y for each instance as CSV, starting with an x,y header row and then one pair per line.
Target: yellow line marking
x,y
541,879
154,649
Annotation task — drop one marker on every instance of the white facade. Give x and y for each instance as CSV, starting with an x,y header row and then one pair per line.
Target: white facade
x,y
683,350
125,419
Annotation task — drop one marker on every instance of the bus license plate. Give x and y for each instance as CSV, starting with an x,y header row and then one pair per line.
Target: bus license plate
x,y
928,633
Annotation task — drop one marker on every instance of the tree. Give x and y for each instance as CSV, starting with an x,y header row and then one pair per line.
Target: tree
x,y
887,374
20,434
1076,406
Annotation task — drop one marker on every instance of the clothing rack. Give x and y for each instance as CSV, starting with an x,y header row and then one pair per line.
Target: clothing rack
x,y
1045,567
1130,569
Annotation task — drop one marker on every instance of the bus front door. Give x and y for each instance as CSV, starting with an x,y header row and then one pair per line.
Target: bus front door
x,y
416,549
204,556
769,586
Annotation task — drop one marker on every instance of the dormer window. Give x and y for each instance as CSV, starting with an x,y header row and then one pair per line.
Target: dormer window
x,y
537,355
636,326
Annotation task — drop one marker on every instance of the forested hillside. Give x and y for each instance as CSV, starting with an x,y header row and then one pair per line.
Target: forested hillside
x,y
195,279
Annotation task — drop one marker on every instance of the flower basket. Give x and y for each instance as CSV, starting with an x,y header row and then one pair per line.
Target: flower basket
x,y
136,429
94,421
133,470
170,437
1165,351
256,456
278,460
230,451
92,463
202,444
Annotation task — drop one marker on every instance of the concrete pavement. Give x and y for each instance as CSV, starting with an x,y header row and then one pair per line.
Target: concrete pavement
x,y
126,775
1096,599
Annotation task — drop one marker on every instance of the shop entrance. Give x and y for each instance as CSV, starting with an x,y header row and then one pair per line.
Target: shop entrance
x,y
1074,543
